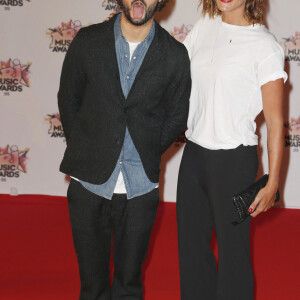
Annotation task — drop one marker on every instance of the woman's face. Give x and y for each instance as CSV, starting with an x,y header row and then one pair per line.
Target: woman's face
x,y
230,5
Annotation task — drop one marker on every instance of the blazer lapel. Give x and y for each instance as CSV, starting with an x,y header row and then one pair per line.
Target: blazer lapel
x,y
112,57
153,54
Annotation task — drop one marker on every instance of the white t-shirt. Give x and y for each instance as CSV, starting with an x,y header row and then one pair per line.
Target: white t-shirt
x,y
229,64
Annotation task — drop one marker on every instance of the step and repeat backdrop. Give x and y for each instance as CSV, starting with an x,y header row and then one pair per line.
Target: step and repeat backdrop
x,y
35,36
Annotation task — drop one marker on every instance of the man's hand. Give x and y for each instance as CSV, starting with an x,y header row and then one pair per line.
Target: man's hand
x,y
116,11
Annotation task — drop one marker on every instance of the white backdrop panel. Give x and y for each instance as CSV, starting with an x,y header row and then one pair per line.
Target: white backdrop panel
x,y
31,137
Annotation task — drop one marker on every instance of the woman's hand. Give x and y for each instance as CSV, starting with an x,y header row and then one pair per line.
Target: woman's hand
x,y
264,201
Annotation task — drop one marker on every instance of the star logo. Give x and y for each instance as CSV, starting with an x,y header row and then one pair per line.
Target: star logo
x,y
110,4
292,134
293,126
13,159
56,129
180,33
292,47
62,36
14,72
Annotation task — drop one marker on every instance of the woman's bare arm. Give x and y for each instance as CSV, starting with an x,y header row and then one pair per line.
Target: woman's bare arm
x,y
272,93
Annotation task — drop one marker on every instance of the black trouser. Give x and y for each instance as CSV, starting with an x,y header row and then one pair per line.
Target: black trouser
x,y
207,181
93,219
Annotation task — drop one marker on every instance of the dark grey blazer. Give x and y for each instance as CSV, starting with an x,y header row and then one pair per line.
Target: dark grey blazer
x,y
94,112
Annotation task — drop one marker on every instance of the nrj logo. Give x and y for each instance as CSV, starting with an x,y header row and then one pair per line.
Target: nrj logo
x,y
292,135
55,130
62,36
14,75
292,47
110,4
13,2
180,33
12,161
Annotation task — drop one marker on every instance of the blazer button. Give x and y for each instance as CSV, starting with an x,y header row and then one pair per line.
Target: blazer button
x,y
125,110
118,141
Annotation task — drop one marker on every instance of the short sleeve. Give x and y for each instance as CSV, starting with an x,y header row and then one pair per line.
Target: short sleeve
x,y
189,41
272,68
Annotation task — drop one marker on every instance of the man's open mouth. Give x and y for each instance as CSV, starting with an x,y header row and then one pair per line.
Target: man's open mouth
x,y
138,9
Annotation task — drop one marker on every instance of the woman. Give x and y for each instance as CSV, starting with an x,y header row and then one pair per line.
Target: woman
x,y
237,70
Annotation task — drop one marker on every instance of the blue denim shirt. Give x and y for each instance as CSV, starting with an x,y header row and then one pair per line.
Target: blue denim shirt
x,y
129,162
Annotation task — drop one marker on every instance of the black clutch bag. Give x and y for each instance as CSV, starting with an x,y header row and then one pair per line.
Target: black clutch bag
x,y
243,201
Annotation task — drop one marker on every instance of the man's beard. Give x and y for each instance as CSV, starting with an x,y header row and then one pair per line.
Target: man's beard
x,y
149,13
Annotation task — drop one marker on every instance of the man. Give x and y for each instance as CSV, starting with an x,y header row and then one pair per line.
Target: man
x,y
123,100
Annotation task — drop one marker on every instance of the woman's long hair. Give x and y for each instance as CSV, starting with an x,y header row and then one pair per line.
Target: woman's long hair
x,y
254,10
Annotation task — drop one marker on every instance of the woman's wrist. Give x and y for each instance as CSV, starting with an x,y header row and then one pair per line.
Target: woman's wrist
x,y
272,186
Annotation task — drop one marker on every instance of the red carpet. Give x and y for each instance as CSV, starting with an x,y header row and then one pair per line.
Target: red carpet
x,y
38,261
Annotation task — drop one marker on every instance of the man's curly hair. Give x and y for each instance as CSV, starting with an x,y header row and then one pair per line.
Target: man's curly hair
x,y
160,4
254,9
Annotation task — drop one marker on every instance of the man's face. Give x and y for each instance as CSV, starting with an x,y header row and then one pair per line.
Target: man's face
x,y
139,12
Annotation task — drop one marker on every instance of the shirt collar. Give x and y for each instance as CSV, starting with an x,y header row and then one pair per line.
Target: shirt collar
x,y
119,34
